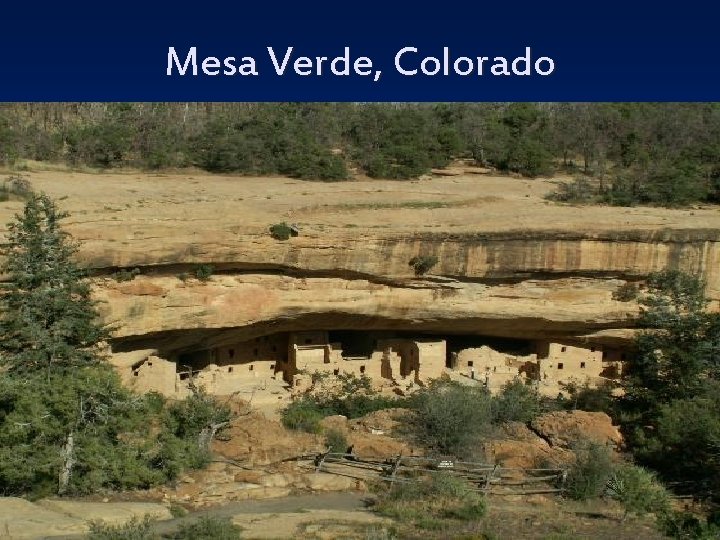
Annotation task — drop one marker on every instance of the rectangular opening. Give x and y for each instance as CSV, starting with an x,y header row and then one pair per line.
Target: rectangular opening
x,y
272,366
470,363
592,349
230,369
563,349
336,372
135,373
561,365
149,363
582,364
251,367
362,369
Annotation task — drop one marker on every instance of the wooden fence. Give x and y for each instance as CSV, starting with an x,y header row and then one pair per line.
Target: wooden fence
x,y
488,478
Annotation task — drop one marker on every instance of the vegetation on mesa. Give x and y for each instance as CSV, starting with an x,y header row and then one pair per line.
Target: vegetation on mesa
x,y
622,153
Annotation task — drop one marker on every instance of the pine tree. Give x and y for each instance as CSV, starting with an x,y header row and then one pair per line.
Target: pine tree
x,y
48,319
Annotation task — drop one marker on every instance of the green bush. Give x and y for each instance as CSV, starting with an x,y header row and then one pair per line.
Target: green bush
x,y
303,414
126,275
336,441
349,395
208,528
687,526
580,190
590,473
626,292
427,502
422,264
203,271
517,402
587,398
280,231
638,490
450,417
135,529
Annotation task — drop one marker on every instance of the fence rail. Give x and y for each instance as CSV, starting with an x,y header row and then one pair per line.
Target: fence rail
x,y
485,477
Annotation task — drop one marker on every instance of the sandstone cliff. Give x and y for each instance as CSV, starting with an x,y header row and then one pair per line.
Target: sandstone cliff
x,y
509,262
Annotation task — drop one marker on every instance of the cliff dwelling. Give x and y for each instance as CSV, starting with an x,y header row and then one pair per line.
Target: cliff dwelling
x,y
508,297
395,361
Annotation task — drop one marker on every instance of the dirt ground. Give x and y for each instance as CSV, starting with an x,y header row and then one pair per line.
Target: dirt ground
x,y
466,202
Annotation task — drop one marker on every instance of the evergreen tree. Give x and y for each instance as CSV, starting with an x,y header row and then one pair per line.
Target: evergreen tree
x,y
48,320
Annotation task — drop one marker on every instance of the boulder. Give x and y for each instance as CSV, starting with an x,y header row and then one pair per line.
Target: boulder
x,y
563,429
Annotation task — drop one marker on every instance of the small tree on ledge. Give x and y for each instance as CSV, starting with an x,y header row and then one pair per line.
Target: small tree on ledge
x,y
48,319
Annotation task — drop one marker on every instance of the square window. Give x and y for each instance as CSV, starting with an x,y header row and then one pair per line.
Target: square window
x,y
470,363
582,364
560,365
230,369
563,349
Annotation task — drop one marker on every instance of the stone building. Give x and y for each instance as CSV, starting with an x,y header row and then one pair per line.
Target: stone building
x,y
281,361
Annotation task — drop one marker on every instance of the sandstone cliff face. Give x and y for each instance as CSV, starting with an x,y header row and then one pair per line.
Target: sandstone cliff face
x,y
238,307
509,263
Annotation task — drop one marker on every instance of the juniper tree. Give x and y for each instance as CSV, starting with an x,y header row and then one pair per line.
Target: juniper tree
x,y
48,318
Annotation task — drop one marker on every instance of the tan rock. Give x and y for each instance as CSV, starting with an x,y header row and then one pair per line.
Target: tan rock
x,y
113,513
564,429
288,525
328,482
22,519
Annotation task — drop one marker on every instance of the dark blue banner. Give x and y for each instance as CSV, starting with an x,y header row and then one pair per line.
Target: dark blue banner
x,y
359,52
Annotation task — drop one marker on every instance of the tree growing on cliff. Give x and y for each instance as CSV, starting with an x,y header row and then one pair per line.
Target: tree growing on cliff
x,y
48,319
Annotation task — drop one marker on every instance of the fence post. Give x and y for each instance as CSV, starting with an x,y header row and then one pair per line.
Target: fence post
x,y
319,460
395,468
489,477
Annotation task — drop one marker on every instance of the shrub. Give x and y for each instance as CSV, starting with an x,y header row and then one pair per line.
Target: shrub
x,y
586,398
15,187
450,417
280,231
429,500
335,441
589,475
687,526
580,190
135,529
203,271
208,528
303,414
626,292
638,490
126,275
423,263
517,402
